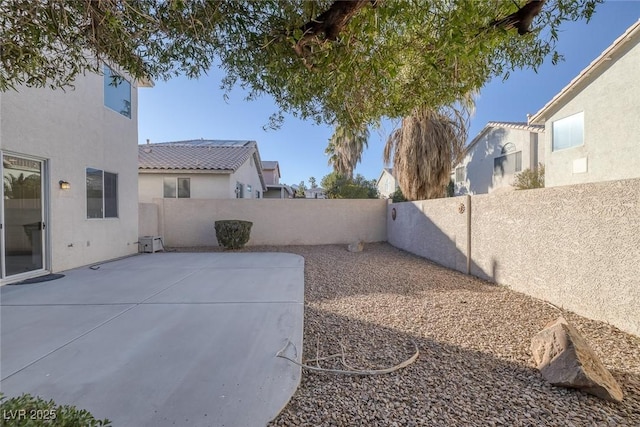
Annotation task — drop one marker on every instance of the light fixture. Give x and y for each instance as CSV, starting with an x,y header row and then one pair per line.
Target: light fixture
x,y
64,185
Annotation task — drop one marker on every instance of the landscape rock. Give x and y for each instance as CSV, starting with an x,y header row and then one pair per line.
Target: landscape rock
x,y
355,246
565,359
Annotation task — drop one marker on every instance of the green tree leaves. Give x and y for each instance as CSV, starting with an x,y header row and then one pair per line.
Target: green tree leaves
x,y
380,59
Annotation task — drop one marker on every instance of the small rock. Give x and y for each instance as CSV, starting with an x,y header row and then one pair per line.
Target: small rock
x,y
565,359
355,246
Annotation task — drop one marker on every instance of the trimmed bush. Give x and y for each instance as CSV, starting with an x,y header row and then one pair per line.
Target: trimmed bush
x,y
233,233
27,410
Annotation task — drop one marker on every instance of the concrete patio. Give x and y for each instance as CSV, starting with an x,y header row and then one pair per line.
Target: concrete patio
x,y
160,339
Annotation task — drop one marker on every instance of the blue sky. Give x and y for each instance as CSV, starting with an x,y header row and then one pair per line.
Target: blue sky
x,y
183,109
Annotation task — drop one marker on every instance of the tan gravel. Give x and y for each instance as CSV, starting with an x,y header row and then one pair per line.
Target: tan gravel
x,y
475,366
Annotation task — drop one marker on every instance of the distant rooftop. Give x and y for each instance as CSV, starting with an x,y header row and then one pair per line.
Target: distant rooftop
x,y
269,164
209,142
181,156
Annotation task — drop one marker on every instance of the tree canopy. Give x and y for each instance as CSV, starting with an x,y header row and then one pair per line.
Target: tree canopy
x,y
337,186
338,62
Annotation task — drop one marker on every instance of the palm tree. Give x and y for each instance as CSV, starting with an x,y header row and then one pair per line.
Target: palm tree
x,y
345,148
21,187
426,145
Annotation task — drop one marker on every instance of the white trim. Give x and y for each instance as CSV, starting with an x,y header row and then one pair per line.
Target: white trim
x,y
45,218
605,57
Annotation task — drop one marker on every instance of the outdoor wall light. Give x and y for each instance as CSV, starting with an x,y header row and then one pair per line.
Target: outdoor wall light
x,y
64,185
393,214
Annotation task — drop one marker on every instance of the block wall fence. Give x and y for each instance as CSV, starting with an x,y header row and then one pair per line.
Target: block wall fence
x,y
577,247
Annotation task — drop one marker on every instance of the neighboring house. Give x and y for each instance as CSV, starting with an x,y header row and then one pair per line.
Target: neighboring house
x,y
592,125
387,183
69,195
200,169
314,193
275,190
494,157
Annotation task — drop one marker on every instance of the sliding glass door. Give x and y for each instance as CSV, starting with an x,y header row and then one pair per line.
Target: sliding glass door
x,y
23,219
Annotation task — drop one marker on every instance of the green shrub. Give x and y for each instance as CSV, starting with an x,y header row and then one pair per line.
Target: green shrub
x,y
233,233
397,196
530,178
27,411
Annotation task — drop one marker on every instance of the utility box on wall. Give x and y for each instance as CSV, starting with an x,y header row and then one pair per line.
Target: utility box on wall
x,y
150,244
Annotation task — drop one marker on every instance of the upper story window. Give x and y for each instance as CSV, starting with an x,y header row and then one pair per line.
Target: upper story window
x,y
117,92
568,132
239,190
102,194
460,174
508,164
176,187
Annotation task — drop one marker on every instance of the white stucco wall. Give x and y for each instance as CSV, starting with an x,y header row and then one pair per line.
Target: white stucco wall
x,y
72,130
478,163
190,222
246,174
610,101
387,185
203,185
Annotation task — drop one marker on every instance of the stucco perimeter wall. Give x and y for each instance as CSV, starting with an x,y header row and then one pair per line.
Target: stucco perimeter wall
x,y
434,229
190,222
575,246
148,219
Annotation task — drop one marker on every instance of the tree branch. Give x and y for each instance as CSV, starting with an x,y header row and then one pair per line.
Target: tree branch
x,y
522,18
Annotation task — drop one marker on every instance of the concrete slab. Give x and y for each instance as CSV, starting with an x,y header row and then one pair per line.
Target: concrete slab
x,y
197,348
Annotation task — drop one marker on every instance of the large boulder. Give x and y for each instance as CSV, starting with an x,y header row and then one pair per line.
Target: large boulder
x,y
565,359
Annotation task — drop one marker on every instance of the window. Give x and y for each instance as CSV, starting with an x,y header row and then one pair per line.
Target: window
x,y
239,190
257,194
509,164
568,132
176,187
117,92
102,194
460,174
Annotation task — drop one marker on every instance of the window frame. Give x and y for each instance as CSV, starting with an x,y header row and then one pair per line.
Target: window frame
x,y
109,208
567,121
517,166
175,180
116,81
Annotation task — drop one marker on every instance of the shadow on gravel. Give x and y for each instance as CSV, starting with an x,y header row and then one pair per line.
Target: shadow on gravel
x,y
448,385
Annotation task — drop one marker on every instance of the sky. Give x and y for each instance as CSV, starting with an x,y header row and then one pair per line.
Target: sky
x,y
182,109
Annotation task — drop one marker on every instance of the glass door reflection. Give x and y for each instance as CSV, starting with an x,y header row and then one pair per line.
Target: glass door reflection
x,y
23,215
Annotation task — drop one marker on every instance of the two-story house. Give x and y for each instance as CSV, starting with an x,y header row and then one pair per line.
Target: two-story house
x,y
387,183
494,157
275,190
592,126
69,195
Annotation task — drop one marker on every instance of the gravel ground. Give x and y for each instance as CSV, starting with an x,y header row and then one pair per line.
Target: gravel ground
x,y
475,367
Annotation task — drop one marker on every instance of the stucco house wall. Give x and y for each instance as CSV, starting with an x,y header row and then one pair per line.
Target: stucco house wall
x,y
73,130
213,167
246,175
387,184
608,94
478,175
203,185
